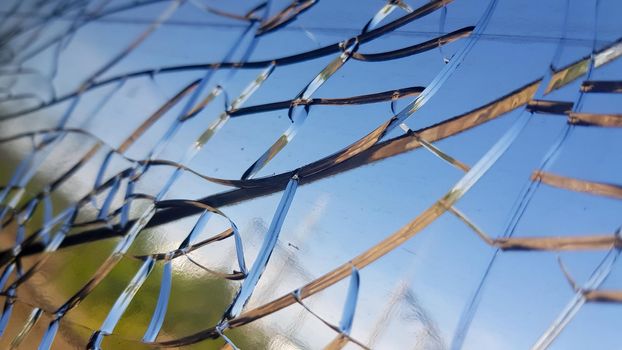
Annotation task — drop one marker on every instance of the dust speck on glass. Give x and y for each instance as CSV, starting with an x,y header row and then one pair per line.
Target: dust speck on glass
x,y
306,174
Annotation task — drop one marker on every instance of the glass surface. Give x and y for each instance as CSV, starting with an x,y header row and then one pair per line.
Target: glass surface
x,y
310,174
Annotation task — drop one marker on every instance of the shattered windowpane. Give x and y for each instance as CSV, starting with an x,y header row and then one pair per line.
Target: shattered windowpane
x,y
310,174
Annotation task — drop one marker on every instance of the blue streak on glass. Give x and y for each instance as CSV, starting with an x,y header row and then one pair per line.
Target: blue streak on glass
x,y
267,247
162,304
350,305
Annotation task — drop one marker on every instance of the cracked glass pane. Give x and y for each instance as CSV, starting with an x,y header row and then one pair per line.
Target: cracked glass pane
x,y
310,174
